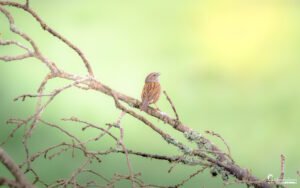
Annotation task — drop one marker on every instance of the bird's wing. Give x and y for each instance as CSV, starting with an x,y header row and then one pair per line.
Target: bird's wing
x,y
151,91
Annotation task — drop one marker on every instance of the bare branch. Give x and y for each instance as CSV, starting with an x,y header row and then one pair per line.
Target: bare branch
x,y
121,142
15,30
220,137
190,177
51,31
282,163
12,42
172,105
21,180
88,125
17,57
9,183
27,3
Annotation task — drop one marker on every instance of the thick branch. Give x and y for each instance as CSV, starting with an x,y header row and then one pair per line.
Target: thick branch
x,y
6,160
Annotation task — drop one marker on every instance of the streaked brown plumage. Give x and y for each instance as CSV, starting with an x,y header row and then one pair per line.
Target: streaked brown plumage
x,y
151,90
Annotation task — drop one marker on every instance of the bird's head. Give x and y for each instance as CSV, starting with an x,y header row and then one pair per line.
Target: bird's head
x,y
153,77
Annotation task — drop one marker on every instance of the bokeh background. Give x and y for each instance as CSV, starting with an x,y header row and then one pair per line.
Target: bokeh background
x,y
229,66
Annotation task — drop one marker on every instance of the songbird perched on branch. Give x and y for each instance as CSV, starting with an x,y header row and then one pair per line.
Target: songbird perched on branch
x,y
151,90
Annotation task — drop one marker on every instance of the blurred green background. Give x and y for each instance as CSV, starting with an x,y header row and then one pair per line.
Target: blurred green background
x,y
229,66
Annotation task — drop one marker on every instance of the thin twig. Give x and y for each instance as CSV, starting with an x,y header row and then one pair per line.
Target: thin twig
x,y
27,3
121,142
190,177
220,137
51,31
282,163
172,105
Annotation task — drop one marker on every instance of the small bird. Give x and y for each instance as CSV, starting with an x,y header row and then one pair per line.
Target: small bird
x,y
151,90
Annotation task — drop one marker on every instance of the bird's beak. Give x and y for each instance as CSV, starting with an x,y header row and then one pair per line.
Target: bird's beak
x,y
158,73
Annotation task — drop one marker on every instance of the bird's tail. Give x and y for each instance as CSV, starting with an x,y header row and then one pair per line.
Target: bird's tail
x,y
144,105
